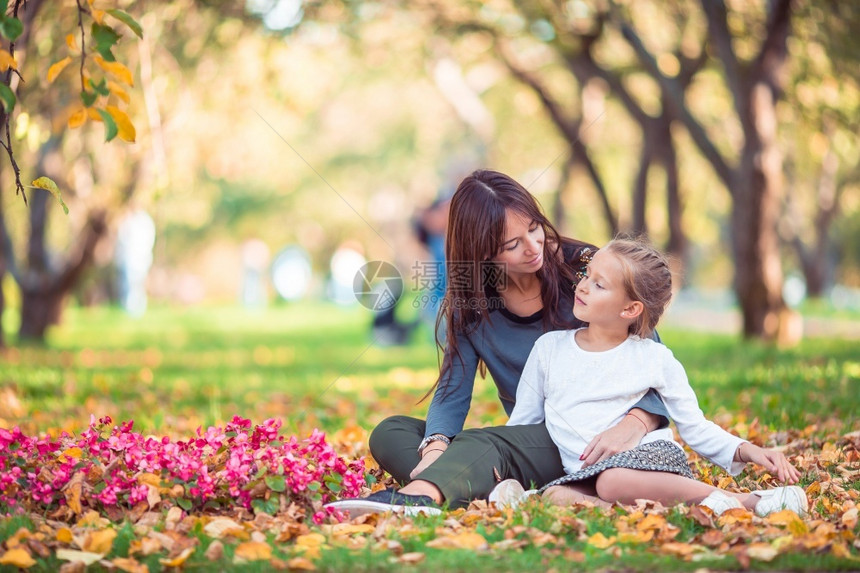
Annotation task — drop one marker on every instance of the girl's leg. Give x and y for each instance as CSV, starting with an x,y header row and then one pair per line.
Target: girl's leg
x,y
626,486
570,494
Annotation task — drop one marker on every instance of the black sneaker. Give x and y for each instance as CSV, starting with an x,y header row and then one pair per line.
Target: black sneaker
x,y
388,500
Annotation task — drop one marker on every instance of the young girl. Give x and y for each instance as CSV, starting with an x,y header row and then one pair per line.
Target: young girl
x,y
583,381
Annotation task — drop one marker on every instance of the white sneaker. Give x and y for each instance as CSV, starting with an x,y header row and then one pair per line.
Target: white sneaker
x,y
718,502
509,493
789,497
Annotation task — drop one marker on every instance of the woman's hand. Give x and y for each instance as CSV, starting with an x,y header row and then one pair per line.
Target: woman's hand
x,y
624,436
773,461
431,453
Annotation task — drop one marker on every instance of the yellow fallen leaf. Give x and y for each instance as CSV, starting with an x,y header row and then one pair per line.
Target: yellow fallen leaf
x,y
221,526
74,556
72,492
126,130
64,535
638,537
734,515
310,540
466,540
130,565
784,517
761,551
179,559
116,69
93,519
349,529
653,521
17,558
813,489
99,541
600,541
253,551
849,518
57,68
301,564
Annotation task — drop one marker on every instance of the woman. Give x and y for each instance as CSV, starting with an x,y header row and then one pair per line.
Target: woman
x,y
510,279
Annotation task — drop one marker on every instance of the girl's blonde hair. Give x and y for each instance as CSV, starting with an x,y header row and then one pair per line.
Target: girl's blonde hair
x,y
647,279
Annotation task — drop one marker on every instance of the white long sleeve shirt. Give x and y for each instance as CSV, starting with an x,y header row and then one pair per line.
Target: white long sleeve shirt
x,y
580,394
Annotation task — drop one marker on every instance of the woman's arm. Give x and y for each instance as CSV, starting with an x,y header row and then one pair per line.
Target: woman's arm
x,y
450,404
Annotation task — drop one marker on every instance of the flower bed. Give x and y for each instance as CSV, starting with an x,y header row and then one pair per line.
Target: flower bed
x,y
116,470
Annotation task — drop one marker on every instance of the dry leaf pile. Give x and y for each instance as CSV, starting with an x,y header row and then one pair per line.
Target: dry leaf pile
x,y
158,532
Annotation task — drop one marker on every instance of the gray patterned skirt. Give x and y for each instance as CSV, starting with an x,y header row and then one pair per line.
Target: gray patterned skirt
x,y
656,456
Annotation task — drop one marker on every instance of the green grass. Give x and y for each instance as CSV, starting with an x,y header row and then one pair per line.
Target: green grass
x,y
314,366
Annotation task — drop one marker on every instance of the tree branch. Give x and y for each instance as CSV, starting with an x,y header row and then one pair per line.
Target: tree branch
x,y
718,28
674,93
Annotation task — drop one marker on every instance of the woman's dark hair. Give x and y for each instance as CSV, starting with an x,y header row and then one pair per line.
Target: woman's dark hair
x,y
476,233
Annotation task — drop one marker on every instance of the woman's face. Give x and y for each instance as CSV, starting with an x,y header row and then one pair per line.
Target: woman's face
x,y
522,246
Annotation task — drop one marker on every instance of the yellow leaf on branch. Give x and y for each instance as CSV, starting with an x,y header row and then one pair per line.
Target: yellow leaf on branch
x,y
57,68
72,42
98,16
7,61
123,123
116,69
117,90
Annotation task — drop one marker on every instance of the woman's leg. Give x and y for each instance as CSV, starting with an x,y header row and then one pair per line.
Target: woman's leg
x,y
394,445
478,459
626,486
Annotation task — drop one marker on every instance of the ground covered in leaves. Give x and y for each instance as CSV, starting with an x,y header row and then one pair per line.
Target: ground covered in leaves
x,y
182,488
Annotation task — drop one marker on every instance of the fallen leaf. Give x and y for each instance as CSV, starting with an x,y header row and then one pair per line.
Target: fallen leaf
x,y
601,541
761,551
679,549
72,492
130,565
215,551
466,540
179,559
222,526
412,557
653,521
301,564
253,551
99,541
85,557
17,558
310,540
849,518
349,529
174,516
734,515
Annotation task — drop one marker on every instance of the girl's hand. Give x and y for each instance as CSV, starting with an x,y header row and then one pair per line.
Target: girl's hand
x,y
431,453
625,435
773,461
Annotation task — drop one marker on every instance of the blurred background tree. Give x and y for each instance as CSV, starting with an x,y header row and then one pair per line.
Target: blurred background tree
x,y
317,123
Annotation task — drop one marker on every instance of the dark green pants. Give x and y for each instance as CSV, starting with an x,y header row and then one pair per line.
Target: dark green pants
x,y
469,467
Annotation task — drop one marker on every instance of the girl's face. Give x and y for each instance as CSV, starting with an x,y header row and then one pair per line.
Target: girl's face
x,y
522,246
600,296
